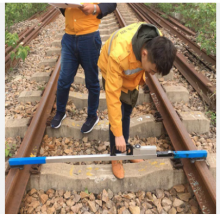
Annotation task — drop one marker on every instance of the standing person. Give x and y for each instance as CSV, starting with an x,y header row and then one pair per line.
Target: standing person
x,y
125,57
81,44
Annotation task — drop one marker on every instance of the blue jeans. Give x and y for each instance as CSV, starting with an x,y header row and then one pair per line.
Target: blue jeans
x,y
84,50
126,111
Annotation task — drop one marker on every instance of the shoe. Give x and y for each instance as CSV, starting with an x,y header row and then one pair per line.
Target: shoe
x,y
136,161
58,118
89,124
118,169
146,88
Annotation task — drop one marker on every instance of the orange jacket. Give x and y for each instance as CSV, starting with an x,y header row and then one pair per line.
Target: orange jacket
x,y
121,71
77,23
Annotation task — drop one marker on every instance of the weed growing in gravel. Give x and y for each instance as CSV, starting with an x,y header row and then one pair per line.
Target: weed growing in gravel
x,y
212,116
74,111
41,88
9,149
86,191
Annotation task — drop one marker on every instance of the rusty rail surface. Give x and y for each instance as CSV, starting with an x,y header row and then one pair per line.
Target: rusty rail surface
x,y
120,19
175,22
40,13
205,187
198,175
161,22
16,180
199,82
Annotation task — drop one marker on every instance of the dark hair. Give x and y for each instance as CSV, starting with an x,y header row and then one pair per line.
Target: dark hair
x,y
161,52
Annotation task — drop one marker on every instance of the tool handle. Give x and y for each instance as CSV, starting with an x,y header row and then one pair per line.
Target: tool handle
x,y
129,150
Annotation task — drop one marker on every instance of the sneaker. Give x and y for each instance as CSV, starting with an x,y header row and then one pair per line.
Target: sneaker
x,y
56,122
146,88
89,124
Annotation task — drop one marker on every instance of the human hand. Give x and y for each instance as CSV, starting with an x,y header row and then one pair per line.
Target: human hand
x,y
120,143
87,8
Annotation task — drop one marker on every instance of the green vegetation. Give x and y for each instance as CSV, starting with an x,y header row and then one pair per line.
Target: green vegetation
x,y
86,191
212,116
16,12
9,149
21,51
201,17
41,88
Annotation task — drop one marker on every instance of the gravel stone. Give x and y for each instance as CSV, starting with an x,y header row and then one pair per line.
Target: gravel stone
x,y
184,196
43,198
166,202
105,197
159,193
92,206
84,195
172,211
177,202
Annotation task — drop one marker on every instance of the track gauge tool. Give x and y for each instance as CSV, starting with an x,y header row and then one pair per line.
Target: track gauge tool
x,y
132,152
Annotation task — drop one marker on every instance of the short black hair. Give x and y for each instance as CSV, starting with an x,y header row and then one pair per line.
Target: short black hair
x,y
162,53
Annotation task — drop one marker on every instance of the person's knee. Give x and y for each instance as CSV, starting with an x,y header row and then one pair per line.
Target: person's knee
x,y
63,83
93,85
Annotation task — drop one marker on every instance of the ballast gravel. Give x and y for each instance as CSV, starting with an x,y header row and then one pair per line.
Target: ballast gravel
x,y
177,200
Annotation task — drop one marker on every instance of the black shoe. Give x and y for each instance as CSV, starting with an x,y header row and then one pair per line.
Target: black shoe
x,y
89,124
146,89
56,122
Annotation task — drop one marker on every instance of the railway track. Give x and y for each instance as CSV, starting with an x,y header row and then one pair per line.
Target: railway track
x,y
181,141
200,83
189,33
16,180
29,34
162,22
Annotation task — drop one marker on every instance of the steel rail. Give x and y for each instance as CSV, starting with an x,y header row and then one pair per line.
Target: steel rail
x,y
40,13
200,178
198,175
120,19
142,15
16,180
200,83
175,22
165,24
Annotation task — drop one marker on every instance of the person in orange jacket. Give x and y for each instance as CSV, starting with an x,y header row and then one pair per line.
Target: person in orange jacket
x,y
124,58
81,44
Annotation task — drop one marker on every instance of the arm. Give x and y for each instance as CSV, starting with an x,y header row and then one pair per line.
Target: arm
x,y
113,84
88,8
102,9
106,8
